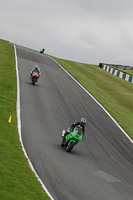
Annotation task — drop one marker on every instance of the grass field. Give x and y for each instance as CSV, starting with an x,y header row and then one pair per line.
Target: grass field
x,y
17,181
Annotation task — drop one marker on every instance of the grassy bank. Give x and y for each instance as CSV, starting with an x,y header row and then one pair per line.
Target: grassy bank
x,y
17,181
115,94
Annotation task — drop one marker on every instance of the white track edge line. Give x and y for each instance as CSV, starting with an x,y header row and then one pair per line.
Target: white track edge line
x,y
19,126
95,101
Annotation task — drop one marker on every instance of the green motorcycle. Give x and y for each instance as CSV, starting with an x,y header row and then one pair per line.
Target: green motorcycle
x,y
70,140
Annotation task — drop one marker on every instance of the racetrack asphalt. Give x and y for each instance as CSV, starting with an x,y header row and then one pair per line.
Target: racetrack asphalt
x,y
98,168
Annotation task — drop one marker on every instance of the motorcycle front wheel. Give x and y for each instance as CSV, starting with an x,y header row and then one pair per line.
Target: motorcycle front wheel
x,y
33,81
70,146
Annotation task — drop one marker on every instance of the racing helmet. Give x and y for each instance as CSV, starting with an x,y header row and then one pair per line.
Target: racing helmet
x,y
82,121
36,67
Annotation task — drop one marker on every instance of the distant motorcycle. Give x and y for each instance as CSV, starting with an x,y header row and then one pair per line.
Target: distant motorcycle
x,y
42,51
70,140
34,77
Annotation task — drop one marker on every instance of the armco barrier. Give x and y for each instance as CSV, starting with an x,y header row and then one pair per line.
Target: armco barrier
x,y
116,72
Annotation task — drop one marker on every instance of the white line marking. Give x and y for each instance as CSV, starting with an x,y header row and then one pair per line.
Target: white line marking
x,y
95,101
19,126
106,176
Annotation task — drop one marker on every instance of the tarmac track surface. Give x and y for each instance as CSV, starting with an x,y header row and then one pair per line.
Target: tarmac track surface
x,y
101,166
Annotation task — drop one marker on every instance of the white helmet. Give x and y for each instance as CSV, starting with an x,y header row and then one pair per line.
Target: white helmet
x,y
36,67
82,121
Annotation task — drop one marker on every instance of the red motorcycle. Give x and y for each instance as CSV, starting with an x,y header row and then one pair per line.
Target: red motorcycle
x,y
34,77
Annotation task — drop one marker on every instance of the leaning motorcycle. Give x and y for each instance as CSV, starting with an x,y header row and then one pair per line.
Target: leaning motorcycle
x,y
34,77
70,140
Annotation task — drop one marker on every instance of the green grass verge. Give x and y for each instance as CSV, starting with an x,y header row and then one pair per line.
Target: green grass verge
x,y
115,94
129,72
17,181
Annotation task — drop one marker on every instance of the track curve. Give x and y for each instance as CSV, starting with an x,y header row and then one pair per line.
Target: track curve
x,y
101,166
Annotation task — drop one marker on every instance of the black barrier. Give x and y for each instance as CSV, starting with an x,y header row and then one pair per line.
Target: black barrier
x,y
101,65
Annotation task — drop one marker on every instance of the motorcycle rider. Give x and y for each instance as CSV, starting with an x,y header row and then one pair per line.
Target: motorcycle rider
x,y
81,122
42,51
36,69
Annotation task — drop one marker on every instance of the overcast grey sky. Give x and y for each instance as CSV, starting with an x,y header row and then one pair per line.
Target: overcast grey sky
x,y
88,31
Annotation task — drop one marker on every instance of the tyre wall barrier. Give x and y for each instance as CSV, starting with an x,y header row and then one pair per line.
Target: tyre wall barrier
x,y
117,72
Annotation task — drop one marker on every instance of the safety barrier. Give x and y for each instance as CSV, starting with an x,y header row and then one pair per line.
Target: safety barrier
x,y
116,72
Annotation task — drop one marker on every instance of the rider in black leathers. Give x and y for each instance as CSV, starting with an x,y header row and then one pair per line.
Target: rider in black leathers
x,y
81,122
42,51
